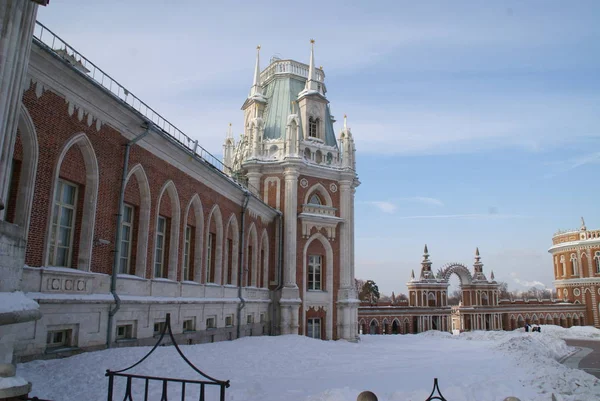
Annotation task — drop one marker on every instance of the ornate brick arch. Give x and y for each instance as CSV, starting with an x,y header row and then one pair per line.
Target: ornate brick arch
x,y
460,270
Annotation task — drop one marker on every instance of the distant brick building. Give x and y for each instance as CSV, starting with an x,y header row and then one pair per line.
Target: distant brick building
x,y
481,307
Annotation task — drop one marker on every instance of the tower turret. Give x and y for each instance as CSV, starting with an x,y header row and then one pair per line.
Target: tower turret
x,y
228,150
426,273
348,149
478,267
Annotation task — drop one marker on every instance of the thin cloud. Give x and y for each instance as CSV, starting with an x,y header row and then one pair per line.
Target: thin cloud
x,y
571,164
526,283
471,216
384,206
424,199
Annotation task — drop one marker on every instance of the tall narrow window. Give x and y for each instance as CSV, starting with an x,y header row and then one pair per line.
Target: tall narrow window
x,y
312,127
210,258
159,256
229,260
313,328
564,265
186,253
249,267
63,224
126,233
574,265
261,269
597,258
314,273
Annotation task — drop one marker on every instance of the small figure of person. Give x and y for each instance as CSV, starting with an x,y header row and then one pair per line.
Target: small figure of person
x,y
527,328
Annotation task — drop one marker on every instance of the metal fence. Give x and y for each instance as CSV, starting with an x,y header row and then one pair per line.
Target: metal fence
x,y
183,387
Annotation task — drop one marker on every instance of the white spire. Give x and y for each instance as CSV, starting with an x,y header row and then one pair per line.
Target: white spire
x,y
229,133
256,90
345,125
311,83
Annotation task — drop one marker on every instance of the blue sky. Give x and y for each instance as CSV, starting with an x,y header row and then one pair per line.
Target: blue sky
x,y
476,123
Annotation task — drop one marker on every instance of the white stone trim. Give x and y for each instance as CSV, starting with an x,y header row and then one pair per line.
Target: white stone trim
x,y
88,219
251,240
232,224
196,204
328,284
264,247
321,190
26,188
215,213
143,218
171,190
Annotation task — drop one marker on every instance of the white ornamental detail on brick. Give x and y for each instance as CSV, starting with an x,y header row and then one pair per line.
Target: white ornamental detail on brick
x,y
576,292
333,187
304,183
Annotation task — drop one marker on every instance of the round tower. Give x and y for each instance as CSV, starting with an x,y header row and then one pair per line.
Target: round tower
x,y
576,262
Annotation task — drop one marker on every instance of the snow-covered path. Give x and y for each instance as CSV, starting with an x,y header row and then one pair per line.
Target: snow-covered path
x,y
473,366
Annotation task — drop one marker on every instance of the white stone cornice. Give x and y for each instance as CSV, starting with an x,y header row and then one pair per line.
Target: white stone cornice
x,y
575,245
578,281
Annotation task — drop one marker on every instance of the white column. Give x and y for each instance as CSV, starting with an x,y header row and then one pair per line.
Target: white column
x,y
344,233
17,19
290,222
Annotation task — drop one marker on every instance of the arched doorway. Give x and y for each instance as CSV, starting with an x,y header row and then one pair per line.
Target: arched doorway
x,y
395,327
386,327
373,327
520,321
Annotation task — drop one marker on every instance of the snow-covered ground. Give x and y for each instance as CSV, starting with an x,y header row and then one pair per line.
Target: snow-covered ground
x,y
476,366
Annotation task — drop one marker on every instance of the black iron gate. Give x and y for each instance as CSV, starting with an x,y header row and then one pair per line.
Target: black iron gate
x,y
191,386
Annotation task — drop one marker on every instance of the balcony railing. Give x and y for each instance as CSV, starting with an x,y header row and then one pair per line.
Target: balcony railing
x,y
54,44
289,67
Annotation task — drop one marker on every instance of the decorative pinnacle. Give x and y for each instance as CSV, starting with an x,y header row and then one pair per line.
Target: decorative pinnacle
x,y
412,274
425,251
583,228
312,41
492,275
345,126
258,47
477,251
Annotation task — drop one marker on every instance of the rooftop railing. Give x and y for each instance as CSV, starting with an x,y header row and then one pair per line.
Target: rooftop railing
x,y
289,67
54,44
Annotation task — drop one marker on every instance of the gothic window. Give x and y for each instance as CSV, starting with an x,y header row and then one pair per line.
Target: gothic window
x,y
210,257
188,249
564,265
159,248
313,125
63,224
314,273
315,200
574,264
313,328
126,238
597,259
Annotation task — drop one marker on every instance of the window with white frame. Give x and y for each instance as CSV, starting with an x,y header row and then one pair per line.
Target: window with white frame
x,y
159,327
125,331
597,259
211,322
126,236
314,273
189,324
59,338
313,328
564,265
186,253
210,258
63,224
228,320
574,264
159,248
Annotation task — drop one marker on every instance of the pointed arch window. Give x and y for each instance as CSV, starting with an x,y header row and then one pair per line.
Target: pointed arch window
x,y
313,127
574,264
597,260
564,265
315,200
314,272
63,224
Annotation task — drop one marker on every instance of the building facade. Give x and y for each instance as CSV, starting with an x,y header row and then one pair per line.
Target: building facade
x,y
127,219
576,259
481,307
